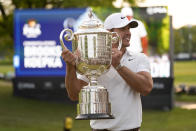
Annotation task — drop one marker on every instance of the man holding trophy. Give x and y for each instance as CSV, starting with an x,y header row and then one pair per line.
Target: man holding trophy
x,y
126,78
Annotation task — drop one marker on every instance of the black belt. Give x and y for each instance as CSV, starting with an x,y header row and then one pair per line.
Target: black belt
x,y
135,129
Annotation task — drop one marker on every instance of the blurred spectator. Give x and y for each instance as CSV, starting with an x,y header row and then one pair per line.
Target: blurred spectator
x,y
192,90
139,41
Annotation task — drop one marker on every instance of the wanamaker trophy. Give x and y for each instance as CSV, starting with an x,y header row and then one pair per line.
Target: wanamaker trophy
x,y
92,45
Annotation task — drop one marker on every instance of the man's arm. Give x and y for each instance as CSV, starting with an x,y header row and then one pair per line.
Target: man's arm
x,y
141,82
72,83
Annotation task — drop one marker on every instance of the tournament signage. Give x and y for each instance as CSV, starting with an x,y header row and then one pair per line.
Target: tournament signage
x,y
37,47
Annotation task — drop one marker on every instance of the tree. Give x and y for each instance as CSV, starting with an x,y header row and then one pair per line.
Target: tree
x,y
182,40
6,32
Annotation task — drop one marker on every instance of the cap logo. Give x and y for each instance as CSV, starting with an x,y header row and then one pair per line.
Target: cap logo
x,y
122,17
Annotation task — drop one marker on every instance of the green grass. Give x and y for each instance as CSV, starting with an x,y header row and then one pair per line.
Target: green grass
x,y
175,120
20,114
6,68
185,72
185,98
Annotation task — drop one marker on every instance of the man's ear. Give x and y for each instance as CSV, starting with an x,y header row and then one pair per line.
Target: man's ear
x,y
110,30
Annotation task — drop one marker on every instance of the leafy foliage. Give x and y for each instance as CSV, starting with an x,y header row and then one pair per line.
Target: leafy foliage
x,y
185,39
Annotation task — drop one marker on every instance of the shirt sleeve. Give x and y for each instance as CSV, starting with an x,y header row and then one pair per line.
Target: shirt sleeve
x,y
143,63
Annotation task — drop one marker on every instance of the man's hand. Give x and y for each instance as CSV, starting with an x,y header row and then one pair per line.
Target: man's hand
x,y
116,57
68,57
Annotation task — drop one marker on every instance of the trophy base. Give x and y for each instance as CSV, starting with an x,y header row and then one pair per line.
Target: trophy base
x,y
94,116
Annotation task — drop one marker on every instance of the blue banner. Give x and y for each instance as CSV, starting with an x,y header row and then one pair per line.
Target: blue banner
x,y
37,46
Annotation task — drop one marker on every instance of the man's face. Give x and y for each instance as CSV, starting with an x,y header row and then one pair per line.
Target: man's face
x,y
124,34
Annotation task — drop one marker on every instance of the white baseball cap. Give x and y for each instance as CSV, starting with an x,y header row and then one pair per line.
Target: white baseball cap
x,y
118,20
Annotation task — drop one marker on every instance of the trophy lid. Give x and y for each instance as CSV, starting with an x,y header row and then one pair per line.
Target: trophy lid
x,y
91,22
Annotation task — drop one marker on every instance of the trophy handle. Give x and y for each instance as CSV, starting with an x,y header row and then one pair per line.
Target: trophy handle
x,y
116,38
68,37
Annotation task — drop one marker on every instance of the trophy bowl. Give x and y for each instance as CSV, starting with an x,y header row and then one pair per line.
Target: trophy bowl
x,y
93,47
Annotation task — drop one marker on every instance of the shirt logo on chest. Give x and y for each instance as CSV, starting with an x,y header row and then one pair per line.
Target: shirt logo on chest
x,y
130,59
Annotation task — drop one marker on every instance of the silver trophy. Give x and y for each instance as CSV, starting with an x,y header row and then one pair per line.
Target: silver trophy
x,y
93,47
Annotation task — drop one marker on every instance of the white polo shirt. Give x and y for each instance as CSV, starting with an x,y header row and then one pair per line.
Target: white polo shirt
x,y
125,102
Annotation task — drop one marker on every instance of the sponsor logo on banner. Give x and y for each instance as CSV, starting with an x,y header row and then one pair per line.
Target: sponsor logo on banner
x,y
32,29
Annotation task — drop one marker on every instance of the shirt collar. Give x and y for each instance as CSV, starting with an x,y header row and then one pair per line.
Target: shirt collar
x,y
128,53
